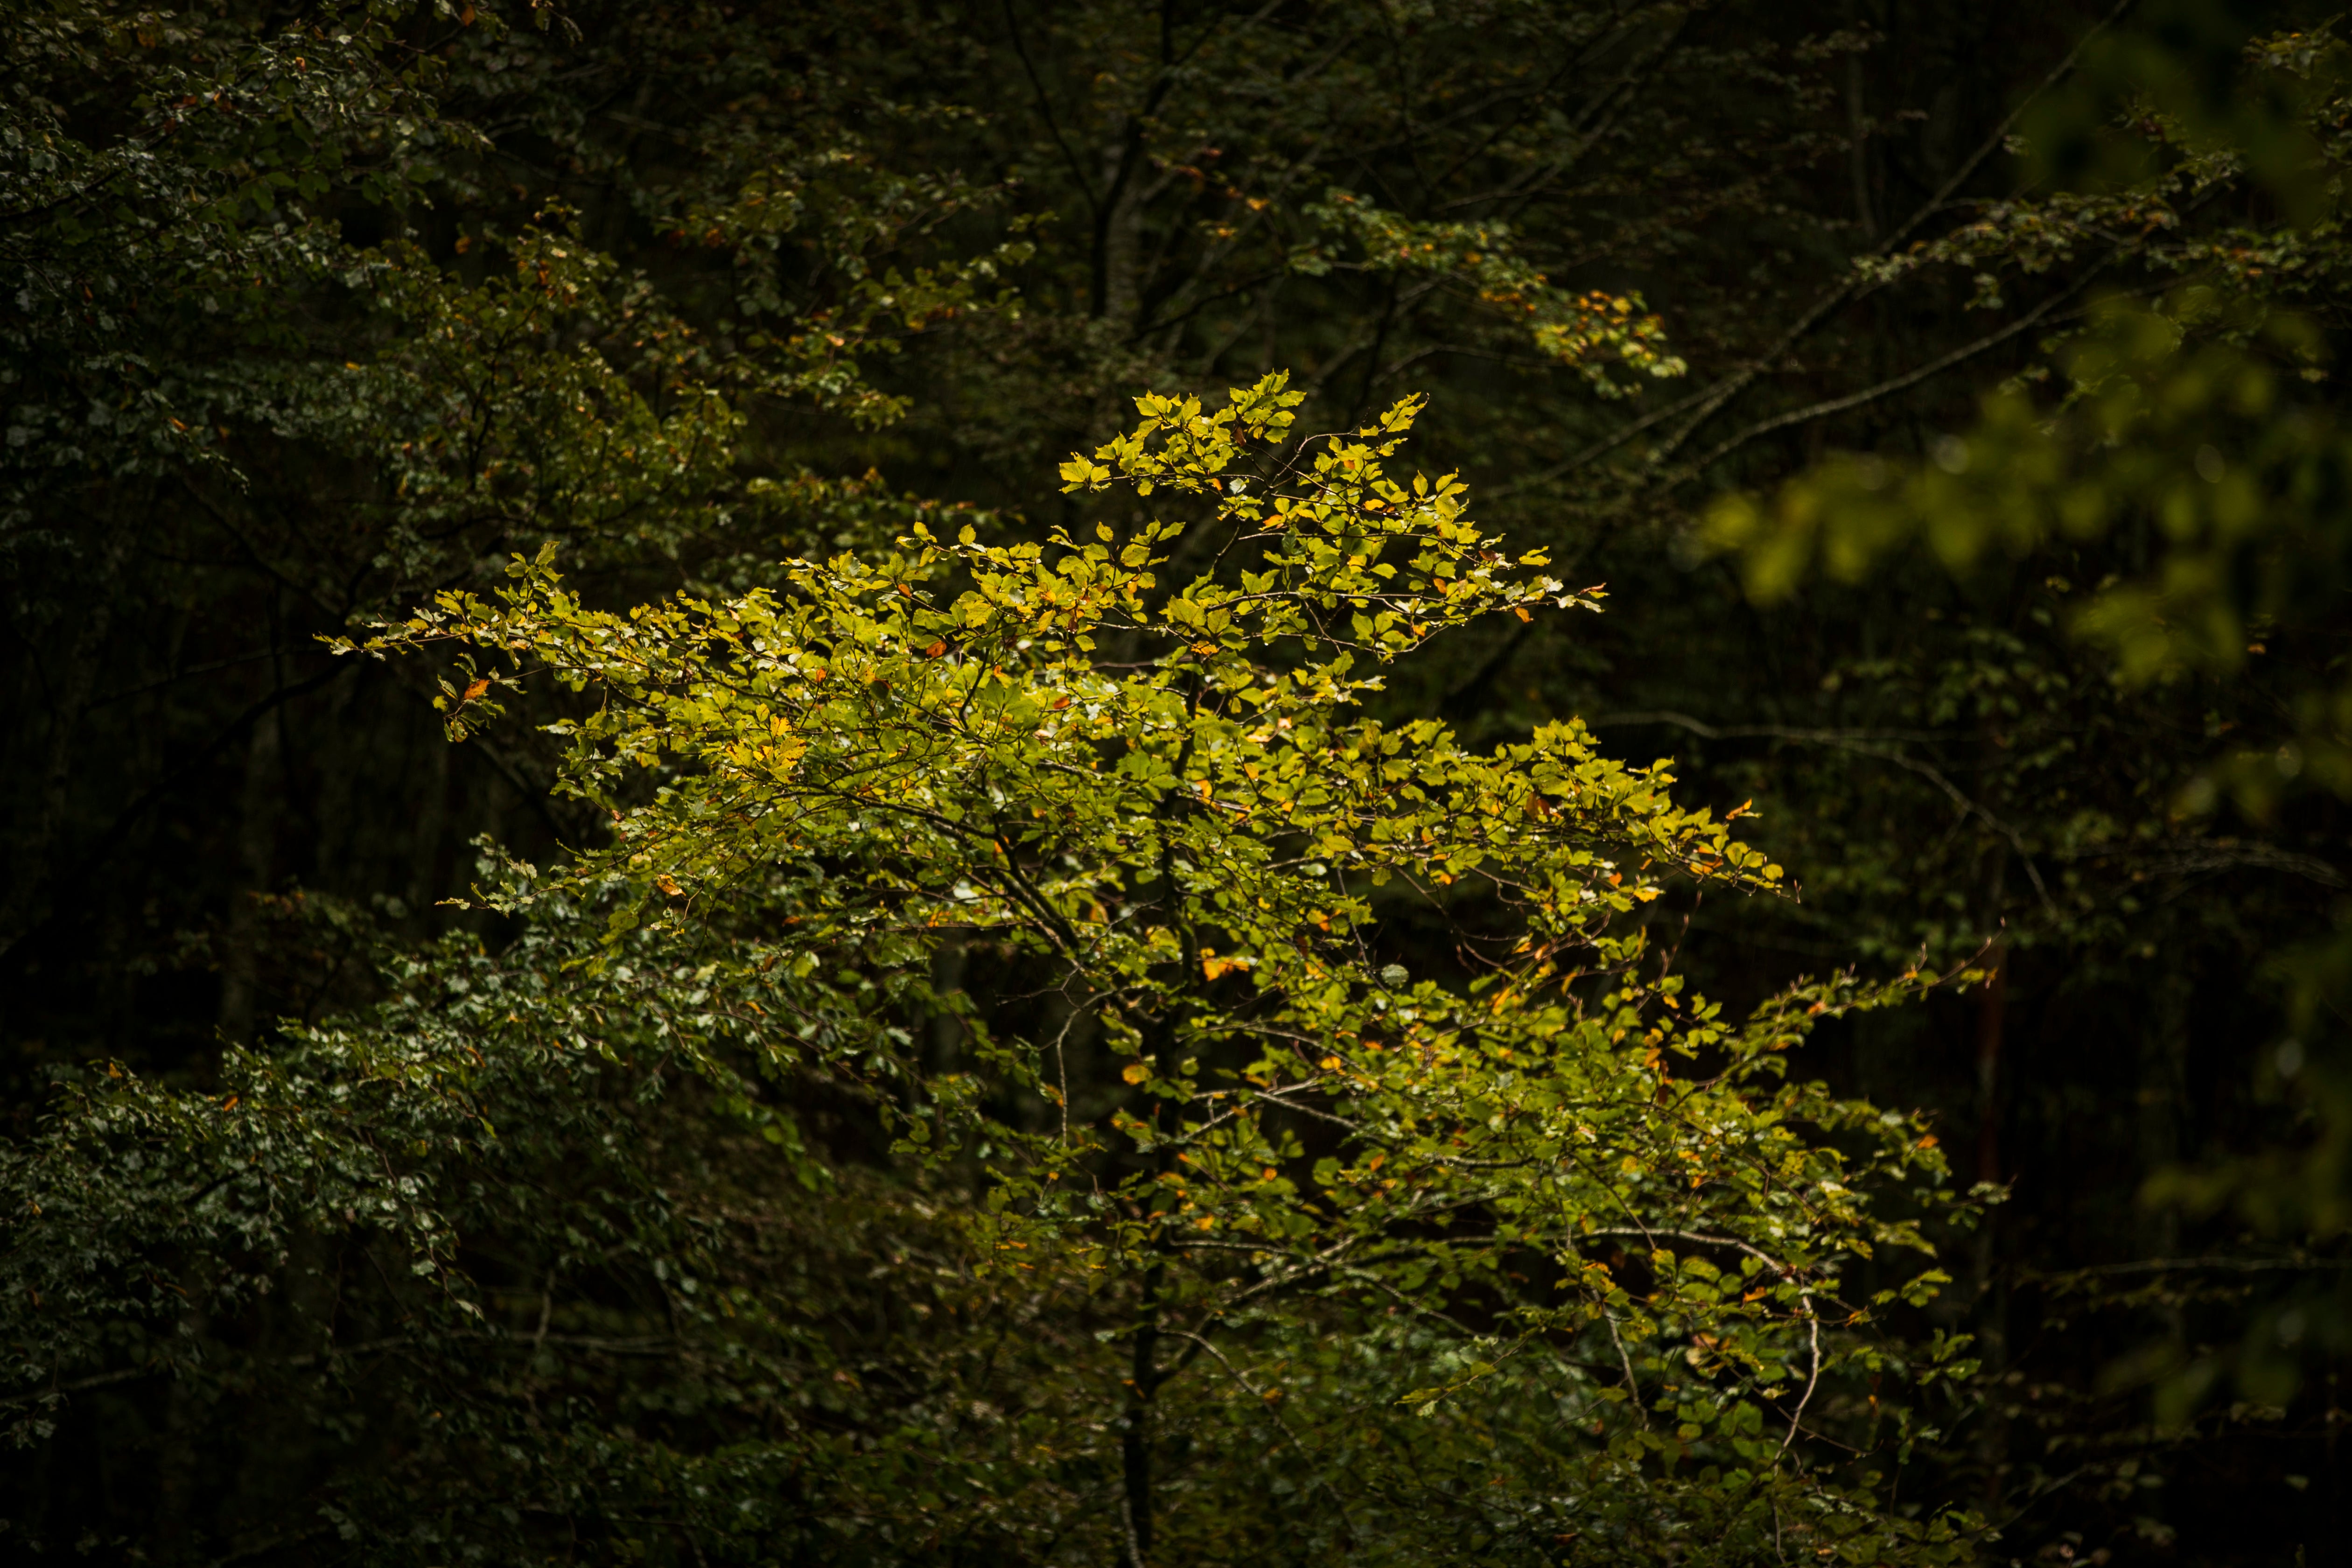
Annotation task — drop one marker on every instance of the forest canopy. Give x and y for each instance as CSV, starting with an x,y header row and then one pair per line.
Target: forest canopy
x,y
1173,784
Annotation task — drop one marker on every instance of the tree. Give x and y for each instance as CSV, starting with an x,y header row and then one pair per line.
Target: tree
x,y
1315,1178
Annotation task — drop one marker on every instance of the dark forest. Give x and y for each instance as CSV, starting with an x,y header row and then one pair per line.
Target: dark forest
x,y
1145,785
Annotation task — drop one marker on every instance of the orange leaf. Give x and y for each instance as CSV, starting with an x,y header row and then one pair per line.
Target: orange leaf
x,y
936,649
476,689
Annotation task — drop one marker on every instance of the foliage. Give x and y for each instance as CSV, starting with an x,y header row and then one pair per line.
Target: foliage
x,y
2201,430
689,287
1193,841
510,1267
2252,550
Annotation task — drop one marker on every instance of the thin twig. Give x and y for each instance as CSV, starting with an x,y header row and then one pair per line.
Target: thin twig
x,y
1633,1385
1888,387
1851,741
1810,1383
1134,1546
2199,1264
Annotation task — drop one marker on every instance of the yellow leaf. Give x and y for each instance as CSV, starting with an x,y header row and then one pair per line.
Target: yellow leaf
x,y
1136,1072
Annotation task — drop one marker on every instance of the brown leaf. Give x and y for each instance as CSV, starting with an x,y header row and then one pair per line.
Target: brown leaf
x,y
936,649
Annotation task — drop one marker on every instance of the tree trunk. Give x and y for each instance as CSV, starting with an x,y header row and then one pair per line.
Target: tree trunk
x,y
1135,1434
2163,1097
432,825
257,843
77,665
